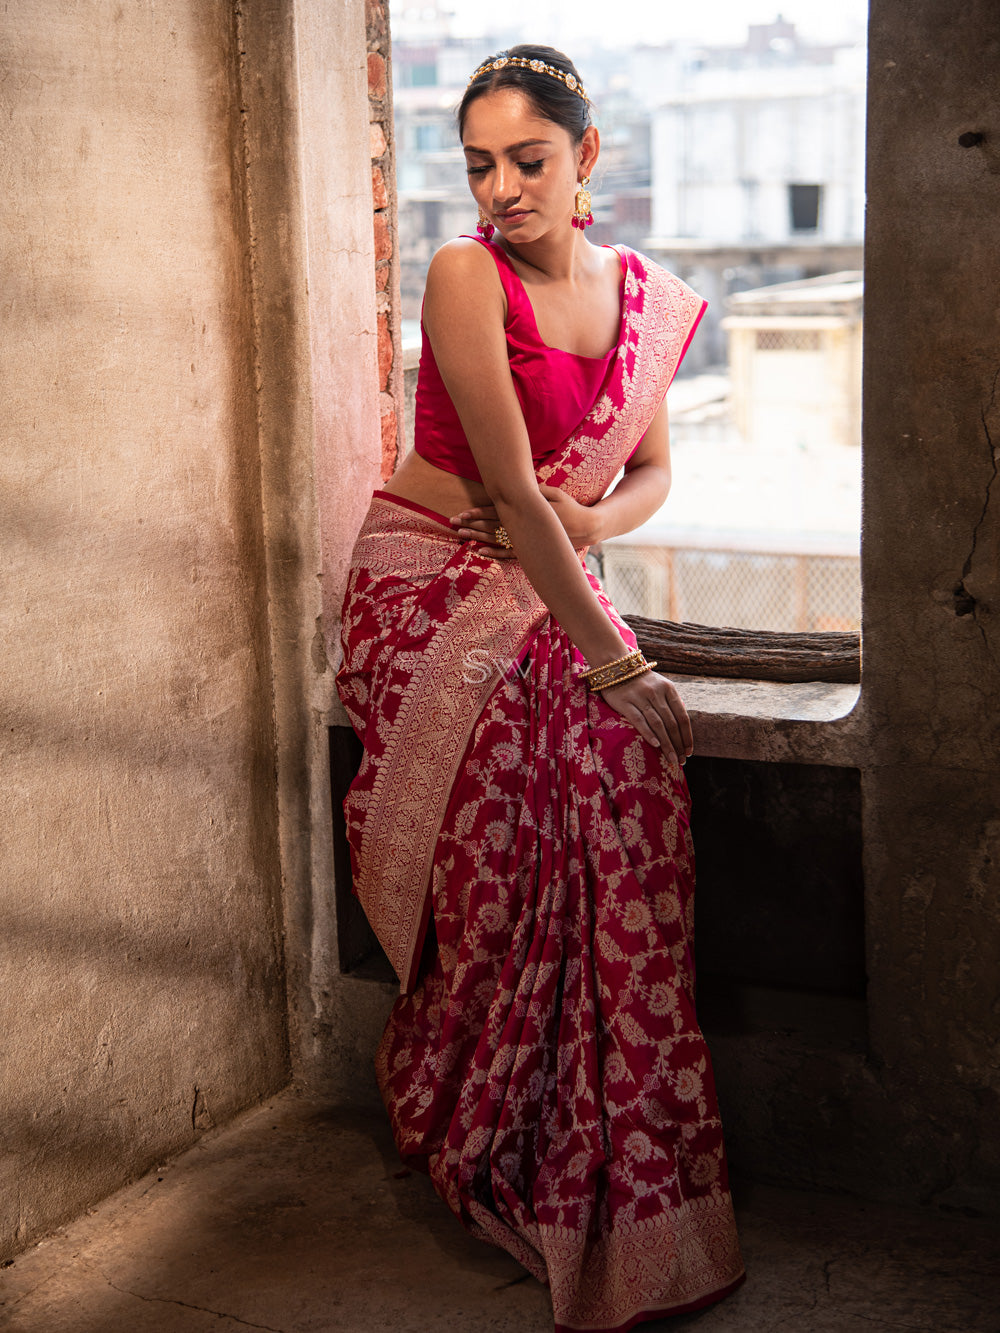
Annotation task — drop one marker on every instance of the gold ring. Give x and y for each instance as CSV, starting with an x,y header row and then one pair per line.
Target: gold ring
x,y
502,537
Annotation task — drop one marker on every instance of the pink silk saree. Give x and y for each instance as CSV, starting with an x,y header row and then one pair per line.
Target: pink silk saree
x,y
545,1064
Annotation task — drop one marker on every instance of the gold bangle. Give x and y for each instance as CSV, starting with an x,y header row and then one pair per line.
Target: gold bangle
x,y
630,675
612,673
592,672
503,537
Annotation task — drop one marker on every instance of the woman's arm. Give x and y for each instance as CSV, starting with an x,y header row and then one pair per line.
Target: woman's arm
x,y
637,497
641,491
463,317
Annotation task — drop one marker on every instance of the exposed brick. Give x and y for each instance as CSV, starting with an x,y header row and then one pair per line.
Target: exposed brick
x,y
382,277
388,443
376,75
384,351
383,240
376,139
380,195
375,19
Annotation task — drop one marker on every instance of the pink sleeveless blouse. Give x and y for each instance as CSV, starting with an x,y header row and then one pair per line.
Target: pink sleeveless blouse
x,y
555,389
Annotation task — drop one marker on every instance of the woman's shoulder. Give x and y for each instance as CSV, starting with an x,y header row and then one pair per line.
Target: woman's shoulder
x,y
463,277
639,263
463,258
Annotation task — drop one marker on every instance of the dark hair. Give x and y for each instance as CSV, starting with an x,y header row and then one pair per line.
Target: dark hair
x,y
550,96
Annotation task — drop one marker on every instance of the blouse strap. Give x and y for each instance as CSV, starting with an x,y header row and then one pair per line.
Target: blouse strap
x,y
518,304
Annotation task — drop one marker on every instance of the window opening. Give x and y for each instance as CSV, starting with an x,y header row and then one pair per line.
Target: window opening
x,y
804,206
735,158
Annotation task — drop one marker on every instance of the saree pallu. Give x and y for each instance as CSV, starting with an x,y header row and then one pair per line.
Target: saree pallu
x,y
546,1065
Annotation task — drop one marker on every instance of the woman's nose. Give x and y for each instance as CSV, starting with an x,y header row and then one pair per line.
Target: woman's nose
x,y
506,187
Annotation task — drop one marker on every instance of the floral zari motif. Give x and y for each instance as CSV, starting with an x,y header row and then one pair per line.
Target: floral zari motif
x,y
546,1067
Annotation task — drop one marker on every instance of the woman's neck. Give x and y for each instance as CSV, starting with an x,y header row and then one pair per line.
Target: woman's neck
x,y
558,259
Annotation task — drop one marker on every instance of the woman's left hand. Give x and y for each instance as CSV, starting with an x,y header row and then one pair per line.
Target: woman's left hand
x,y
482,524
653,705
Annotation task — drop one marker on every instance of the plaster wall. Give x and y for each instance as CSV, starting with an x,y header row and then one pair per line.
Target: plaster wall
x,y
143,991
312,89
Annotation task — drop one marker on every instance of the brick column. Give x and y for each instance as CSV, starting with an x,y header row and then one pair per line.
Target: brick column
x,y
390,359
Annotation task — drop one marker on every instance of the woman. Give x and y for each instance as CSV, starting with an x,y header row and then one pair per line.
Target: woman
x,y
519,825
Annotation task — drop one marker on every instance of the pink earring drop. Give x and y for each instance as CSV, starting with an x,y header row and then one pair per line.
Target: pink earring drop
x,y
582,215
484,226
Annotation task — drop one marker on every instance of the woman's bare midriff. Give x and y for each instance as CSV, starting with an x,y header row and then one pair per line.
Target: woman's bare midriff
x,y
417,480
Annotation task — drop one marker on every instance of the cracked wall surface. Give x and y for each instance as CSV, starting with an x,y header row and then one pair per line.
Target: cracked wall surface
x,y
931,576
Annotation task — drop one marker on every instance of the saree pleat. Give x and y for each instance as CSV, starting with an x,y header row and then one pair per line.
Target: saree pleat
x,y
546,1068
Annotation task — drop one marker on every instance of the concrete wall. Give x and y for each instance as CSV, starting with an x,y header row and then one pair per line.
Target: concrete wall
x,y
304,86
143,988
189,325
931,574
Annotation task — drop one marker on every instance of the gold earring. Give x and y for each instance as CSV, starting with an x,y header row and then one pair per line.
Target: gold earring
x,y
582,216
484,226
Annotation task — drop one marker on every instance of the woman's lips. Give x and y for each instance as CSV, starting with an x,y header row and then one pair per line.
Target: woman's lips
x,y
514,215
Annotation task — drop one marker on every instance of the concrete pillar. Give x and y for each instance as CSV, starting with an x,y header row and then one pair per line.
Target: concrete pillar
x,y
931,574
304,92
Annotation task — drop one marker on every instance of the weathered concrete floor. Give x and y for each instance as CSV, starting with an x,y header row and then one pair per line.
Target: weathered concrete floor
x,y
298,1219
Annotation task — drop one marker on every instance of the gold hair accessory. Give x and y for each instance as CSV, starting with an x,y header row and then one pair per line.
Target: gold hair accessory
x,y
503,537
617,672
503,60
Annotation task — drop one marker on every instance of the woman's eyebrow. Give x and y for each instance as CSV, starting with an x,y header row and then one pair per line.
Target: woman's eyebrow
x,y
513,148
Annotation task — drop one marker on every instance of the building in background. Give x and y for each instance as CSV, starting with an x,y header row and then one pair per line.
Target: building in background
x,y
758,168
795,362
433,194
736,166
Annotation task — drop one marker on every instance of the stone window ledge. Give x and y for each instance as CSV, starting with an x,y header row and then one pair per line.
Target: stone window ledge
x,y
808,722
811,722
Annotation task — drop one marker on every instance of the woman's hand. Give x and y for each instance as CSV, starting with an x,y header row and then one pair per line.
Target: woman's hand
x,y
577,519
653,706
480,525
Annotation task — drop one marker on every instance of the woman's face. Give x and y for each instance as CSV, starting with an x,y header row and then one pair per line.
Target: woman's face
x,y
524,170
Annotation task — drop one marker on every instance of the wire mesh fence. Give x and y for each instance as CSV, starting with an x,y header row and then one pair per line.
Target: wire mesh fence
x,y
788,340
743,589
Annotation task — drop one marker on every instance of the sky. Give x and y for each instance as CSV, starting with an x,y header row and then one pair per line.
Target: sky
x,y
652,22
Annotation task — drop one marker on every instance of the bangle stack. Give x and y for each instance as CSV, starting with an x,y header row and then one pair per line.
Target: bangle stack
x,y
617,672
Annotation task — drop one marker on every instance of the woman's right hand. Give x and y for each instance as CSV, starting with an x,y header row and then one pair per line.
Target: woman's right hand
x,y
480,525
654,707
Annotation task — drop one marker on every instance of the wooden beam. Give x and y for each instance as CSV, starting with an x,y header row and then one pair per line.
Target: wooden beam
x,y
749,654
